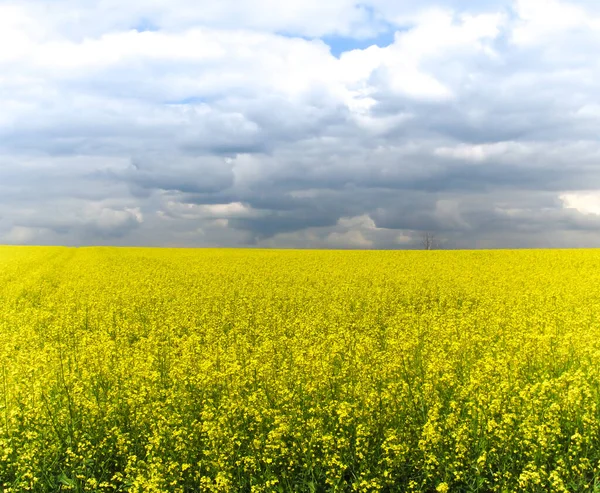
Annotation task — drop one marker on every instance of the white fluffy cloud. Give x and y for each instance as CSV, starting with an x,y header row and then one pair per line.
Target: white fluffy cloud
x,y
301,123
541,20
583,202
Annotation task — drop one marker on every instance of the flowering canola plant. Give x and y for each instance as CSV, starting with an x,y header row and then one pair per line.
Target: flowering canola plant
x,y
132,369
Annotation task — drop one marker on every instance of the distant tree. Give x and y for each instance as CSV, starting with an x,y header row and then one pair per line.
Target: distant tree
x,y
429,241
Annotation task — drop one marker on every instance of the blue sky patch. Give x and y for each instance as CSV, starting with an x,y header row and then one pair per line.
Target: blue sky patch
x,y
341,44
145,25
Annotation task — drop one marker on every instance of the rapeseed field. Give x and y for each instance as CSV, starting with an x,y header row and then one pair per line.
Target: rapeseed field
x,y
127,369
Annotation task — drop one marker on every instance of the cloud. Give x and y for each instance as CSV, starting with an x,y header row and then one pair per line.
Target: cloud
x,y
22,235
587,203
307,17
358,232
540,20
233,123
90,220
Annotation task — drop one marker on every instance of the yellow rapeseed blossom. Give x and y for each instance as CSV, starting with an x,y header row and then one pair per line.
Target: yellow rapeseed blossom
x,y
152,370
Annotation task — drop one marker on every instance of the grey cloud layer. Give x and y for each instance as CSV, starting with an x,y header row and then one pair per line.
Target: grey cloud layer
x,y
221,127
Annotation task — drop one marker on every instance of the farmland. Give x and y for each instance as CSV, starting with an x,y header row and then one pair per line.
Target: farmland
x,y
130,369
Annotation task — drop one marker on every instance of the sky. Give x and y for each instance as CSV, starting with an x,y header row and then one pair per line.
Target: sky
x,y
300,123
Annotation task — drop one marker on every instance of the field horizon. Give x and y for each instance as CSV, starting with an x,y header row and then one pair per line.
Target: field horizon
x,y
301,249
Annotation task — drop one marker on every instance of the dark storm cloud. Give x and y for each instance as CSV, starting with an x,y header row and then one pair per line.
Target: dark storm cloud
x,y
179,172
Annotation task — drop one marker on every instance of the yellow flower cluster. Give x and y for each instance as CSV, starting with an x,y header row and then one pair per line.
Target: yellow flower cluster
x,y
131,369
